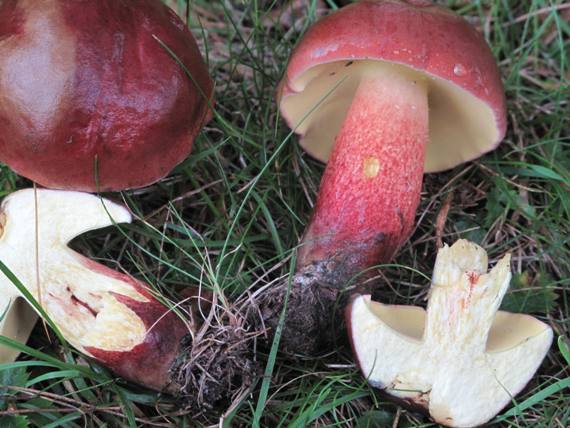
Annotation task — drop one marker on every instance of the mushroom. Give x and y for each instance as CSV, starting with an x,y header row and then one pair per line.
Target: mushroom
x,y
106,315
382,91
461,360
98,95
17,318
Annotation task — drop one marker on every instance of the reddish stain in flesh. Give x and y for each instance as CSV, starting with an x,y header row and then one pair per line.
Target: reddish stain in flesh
x,y
473,277
76,301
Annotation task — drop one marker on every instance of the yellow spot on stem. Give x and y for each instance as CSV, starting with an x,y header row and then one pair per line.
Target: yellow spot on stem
x,y
371,167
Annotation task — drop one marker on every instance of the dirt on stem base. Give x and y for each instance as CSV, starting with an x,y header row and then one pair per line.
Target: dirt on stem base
x,y
314,314
215,365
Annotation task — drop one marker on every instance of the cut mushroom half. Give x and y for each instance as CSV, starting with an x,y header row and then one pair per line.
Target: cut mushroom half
x,y
461,360
107,315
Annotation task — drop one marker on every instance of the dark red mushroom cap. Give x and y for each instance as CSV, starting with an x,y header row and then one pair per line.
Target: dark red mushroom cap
x,y
87,92
466,99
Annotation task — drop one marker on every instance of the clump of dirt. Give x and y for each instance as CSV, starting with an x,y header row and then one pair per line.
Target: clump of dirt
x,y
309,312
315,308
215,365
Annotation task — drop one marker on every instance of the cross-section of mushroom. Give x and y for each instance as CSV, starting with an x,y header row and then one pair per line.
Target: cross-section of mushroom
x,y
107,315
462,360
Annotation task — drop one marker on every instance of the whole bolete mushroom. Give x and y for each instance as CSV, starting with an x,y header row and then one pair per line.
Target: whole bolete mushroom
x,y
461,360
382,91
90,98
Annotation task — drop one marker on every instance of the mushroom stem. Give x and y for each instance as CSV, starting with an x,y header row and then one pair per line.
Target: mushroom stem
x,y
17,319
103,313
371,186
464,299
366,204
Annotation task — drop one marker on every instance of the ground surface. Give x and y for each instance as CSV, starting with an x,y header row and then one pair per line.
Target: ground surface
x,y
231,215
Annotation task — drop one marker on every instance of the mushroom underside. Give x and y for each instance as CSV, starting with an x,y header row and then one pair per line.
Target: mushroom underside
x,y
461,126
507,331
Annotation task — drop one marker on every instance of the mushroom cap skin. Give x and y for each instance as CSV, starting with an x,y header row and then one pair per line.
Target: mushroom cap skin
x,y
455,360
466,96
89,98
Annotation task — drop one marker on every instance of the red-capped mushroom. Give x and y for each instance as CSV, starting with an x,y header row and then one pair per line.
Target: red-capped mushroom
x,y
382,91
90,98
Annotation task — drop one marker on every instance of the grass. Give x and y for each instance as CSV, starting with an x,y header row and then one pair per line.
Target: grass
x,y
231,215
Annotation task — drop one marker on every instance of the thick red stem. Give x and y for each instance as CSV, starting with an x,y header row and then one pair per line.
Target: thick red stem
x,y
149,362
371,187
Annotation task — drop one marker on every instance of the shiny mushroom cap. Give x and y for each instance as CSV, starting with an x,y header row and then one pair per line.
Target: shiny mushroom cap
x,y
466,97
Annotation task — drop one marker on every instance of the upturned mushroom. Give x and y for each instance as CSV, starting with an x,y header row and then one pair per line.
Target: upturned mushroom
x,y
90,96
461,360
382,91
106,315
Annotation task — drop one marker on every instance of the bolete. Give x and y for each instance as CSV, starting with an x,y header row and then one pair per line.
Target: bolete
x,y
112,317
105,314
94,94
461,360
382,91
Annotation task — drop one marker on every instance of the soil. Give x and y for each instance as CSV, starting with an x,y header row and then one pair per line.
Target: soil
x,y
215,365
315,308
